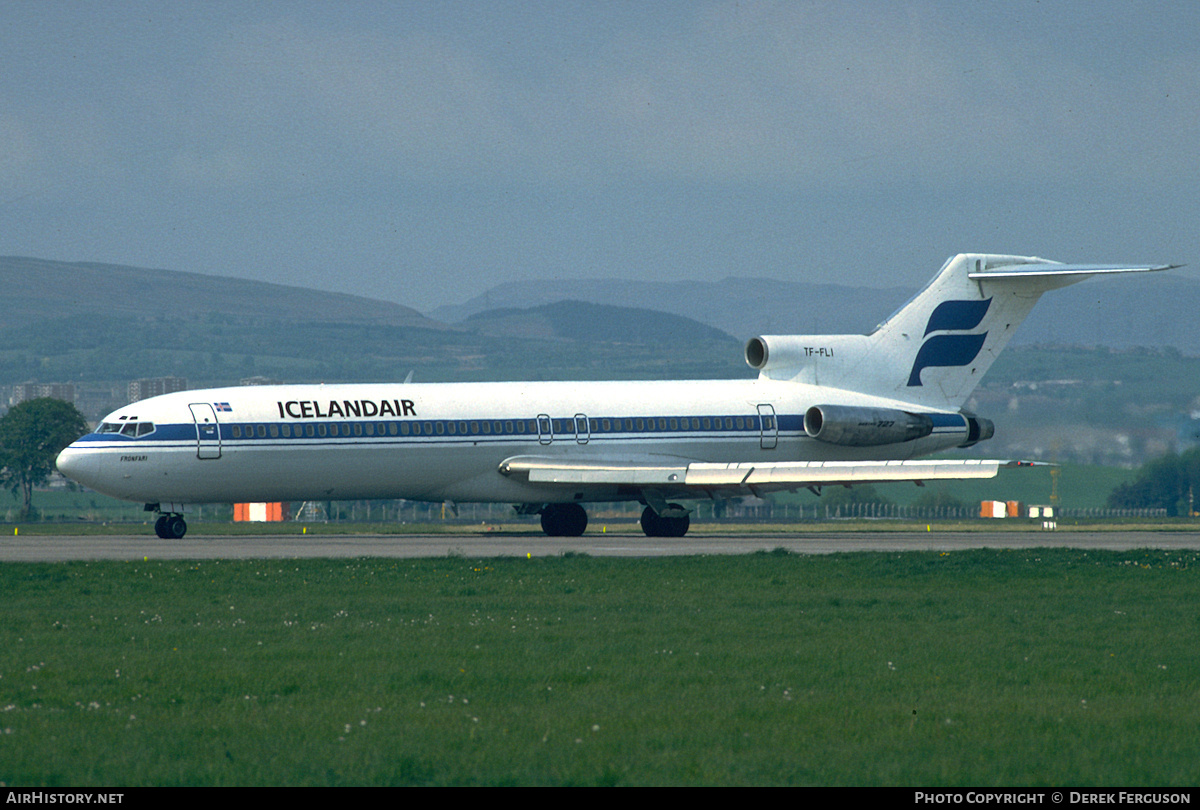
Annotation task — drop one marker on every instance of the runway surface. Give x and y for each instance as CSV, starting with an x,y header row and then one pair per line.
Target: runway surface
x,y
56,548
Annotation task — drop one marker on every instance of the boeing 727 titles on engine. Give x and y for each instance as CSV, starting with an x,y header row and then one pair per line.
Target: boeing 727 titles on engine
x,y
824,410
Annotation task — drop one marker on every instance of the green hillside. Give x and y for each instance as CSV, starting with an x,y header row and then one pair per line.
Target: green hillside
x,y
100,326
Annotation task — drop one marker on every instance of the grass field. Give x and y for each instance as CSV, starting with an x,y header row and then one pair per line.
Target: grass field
x,y
970,668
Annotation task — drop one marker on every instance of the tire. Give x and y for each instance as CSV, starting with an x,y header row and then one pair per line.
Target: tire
x,y
655,526
564,520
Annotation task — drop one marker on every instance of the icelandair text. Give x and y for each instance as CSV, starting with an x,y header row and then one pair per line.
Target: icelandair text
x,y
311,409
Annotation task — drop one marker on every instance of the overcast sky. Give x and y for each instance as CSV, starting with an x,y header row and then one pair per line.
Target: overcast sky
x,y
422,152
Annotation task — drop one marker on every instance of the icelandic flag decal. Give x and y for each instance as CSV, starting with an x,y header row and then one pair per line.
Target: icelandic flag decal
x,y
223,406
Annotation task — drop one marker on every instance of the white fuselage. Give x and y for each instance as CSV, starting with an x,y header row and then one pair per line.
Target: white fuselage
x,y
446,441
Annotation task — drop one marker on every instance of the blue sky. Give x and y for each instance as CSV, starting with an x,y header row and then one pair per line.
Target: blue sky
x,y
422,152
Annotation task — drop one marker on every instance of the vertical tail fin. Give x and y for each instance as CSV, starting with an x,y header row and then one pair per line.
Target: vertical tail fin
x,y
933,350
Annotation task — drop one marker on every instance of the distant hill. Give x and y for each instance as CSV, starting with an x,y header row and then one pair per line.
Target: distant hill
x,y
1144,310
100,326
37,290
581,321
741,307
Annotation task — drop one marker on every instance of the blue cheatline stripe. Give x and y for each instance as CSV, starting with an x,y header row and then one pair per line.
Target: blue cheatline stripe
x,y
422,430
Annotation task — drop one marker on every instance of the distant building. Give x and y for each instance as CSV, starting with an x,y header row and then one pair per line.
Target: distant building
x,y
155,386
34,390
259,380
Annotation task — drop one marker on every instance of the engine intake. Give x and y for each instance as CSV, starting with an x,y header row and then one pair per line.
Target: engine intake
x,y
864,427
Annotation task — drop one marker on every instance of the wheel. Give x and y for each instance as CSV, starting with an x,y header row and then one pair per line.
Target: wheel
x,y
564,520
176,527
651,523
655,526
160,526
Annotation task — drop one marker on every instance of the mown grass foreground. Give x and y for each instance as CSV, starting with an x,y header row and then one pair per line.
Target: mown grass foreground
x,y
968,668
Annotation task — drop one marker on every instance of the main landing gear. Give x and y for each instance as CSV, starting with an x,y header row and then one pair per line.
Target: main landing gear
x,y
563,519
673,522
570,520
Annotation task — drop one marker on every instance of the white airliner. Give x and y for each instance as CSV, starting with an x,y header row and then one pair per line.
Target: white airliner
x,y
824,410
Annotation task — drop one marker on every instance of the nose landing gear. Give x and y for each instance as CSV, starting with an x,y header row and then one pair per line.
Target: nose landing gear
x,y
170,525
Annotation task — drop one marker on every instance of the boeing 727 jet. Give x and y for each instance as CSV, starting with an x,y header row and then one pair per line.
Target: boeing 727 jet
x,y
825,410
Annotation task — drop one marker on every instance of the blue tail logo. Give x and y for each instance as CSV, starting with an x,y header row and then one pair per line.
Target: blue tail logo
x,y
951,350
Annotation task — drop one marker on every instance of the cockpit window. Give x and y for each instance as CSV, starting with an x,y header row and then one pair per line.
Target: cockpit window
x,y
130,428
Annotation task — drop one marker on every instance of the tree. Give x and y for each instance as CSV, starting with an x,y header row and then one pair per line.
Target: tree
x,y
1167,483
32,434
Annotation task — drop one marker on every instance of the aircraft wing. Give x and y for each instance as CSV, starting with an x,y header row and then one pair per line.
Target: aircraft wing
x,y
705,479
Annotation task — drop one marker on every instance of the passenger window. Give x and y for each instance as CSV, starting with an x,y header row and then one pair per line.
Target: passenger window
x,y
262,431
274,430
236,430
286,430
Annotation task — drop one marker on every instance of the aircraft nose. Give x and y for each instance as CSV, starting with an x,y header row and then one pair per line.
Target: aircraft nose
x,y
77,464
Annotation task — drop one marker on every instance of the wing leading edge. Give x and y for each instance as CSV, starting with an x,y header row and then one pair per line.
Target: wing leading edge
x,y
702,478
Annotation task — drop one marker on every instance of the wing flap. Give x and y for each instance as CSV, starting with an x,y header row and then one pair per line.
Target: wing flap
x,y
807,473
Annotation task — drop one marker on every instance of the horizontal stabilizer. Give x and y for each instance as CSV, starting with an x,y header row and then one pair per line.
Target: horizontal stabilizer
x,y
1047,269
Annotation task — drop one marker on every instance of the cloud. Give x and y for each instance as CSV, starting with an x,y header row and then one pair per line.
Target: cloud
x,y
790,93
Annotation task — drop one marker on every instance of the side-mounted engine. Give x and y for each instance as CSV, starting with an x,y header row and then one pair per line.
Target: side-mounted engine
x,y
864,427
856,426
